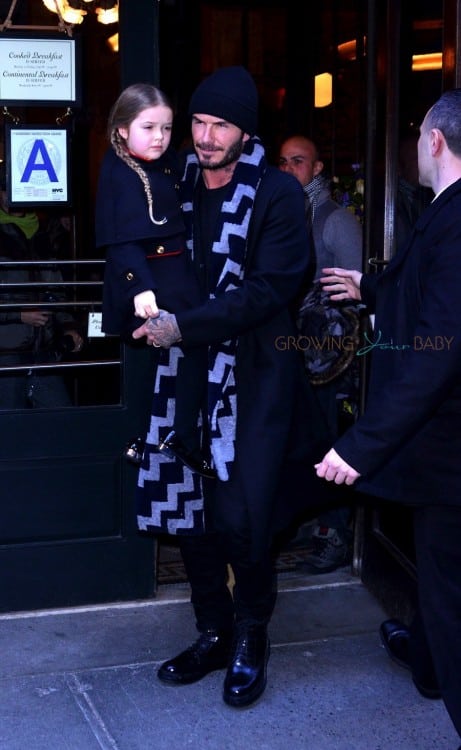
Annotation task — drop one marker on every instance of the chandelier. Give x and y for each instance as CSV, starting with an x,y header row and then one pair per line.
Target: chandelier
x,y
74,12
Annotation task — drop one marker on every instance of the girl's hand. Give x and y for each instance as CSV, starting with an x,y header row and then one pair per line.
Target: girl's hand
x,y
145,305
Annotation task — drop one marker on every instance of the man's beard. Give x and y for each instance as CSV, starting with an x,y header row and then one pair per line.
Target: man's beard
x,y
232,155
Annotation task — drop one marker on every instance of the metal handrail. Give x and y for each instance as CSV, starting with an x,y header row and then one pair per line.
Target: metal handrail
x,y
47,305
52,262
49,283
62,284
59,365
89,304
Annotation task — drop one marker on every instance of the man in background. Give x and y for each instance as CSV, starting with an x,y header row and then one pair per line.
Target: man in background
x,y
337,239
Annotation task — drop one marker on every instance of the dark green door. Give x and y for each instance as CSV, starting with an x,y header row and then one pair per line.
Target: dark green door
x,y
68,531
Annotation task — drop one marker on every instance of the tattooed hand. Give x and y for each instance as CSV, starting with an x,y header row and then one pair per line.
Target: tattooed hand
x,y
161,331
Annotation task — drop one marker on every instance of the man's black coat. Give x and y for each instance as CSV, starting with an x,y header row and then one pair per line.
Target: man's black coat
x,y
407,445
280,429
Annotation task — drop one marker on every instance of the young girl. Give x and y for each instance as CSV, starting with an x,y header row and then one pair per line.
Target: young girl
x,y
139,223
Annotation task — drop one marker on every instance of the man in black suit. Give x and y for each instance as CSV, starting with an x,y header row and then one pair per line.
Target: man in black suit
x,y
407,444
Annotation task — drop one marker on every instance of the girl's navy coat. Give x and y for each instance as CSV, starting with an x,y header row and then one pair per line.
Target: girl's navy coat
x,y
141,255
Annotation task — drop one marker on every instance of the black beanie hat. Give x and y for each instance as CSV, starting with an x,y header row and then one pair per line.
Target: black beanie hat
x,y
228,93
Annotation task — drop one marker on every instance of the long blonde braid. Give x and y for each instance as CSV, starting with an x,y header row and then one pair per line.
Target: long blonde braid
x,y
120,150
133,100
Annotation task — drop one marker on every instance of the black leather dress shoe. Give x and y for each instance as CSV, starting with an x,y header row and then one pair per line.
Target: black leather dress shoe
x,y
395,638
173,447
209,652
246,675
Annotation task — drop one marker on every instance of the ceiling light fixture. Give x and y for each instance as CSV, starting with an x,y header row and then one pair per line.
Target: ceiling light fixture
x,y
107,15
73,11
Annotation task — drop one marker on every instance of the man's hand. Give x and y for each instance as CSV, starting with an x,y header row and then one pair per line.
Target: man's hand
x,y
341,283
161,331
145,305
36,318
334,469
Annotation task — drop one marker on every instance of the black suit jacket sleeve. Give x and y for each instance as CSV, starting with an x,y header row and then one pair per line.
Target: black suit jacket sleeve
x,y
416,365
368,284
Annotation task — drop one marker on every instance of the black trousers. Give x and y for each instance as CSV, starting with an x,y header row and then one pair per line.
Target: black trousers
x,y
436,630
206,560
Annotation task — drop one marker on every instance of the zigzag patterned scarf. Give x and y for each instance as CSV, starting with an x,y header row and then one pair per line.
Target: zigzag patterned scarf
x,y
170,499
229,244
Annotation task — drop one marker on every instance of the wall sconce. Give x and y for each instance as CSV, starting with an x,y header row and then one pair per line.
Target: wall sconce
x,y
323,95
112,41
430,61
348,50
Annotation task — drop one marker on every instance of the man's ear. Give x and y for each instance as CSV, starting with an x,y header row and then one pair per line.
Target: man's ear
x,y
437,139
317,168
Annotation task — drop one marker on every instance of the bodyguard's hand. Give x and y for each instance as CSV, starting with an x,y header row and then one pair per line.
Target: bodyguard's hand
x,y
334,469
162,330
341,283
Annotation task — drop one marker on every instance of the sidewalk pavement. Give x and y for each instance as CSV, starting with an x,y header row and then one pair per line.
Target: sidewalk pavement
x,y
85,679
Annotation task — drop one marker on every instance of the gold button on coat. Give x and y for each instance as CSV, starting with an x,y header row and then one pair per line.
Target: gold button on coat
x,y
130,276
160,249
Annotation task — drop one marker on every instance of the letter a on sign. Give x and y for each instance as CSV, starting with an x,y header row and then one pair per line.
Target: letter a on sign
x,y
39,159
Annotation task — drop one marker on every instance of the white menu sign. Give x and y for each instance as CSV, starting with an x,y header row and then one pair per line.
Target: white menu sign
x,y
37,70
